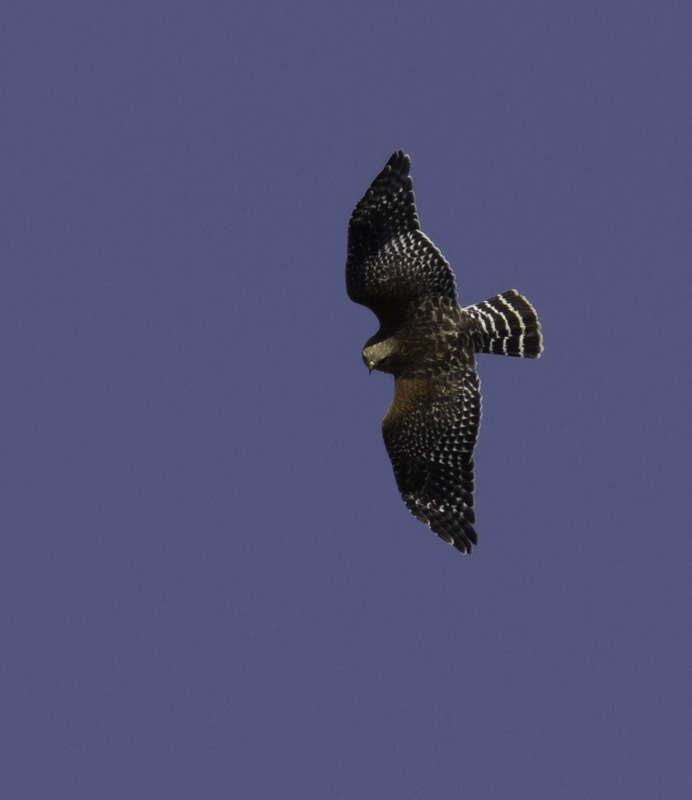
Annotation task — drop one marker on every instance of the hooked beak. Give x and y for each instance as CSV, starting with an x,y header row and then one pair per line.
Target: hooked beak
x,y
371,366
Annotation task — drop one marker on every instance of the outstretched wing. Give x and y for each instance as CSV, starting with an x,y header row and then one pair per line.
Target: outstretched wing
x,y
391,262
430,432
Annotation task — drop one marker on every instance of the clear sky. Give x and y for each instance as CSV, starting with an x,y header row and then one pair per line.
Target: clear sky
x,y
209,586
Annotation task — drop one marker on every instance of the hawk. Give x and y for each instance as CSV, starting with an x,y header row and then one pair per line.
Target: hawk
x,y
428,342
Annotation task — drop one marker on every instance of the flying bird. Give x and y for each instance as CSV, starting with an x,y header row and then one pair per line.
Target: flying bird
x,y
428,342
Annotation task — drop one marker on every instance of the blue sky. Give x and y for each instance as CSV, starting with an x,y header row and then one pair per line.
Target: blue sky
x,y
210,586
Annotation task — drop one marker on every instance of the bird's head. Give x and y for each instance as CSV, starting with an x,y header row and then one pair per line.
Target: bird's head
x,y
378,353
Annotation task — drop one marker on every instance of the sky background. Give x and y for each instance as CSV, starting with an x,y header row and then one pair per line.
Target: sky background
x,y
209,586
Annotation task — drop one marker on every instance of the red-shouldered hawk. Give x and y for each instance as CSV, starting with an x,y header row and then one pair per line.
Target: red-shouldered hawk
x,y
428,342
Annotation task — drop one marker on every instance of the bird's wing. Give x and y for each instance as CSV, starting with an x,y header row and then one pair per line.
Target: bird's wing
x,y
391,262
430,432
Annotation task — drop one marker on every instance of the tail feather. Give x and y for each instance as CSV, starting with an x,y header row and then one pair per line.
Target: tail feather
x,y
506,324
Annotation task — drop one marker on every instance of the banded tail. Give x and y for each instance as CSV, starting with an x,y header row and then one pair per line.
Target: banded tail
x,y
506,324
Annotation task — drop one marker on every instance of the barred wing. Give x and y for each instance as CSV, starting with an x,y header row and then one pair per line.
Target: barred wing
x,y
430,432
391,262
